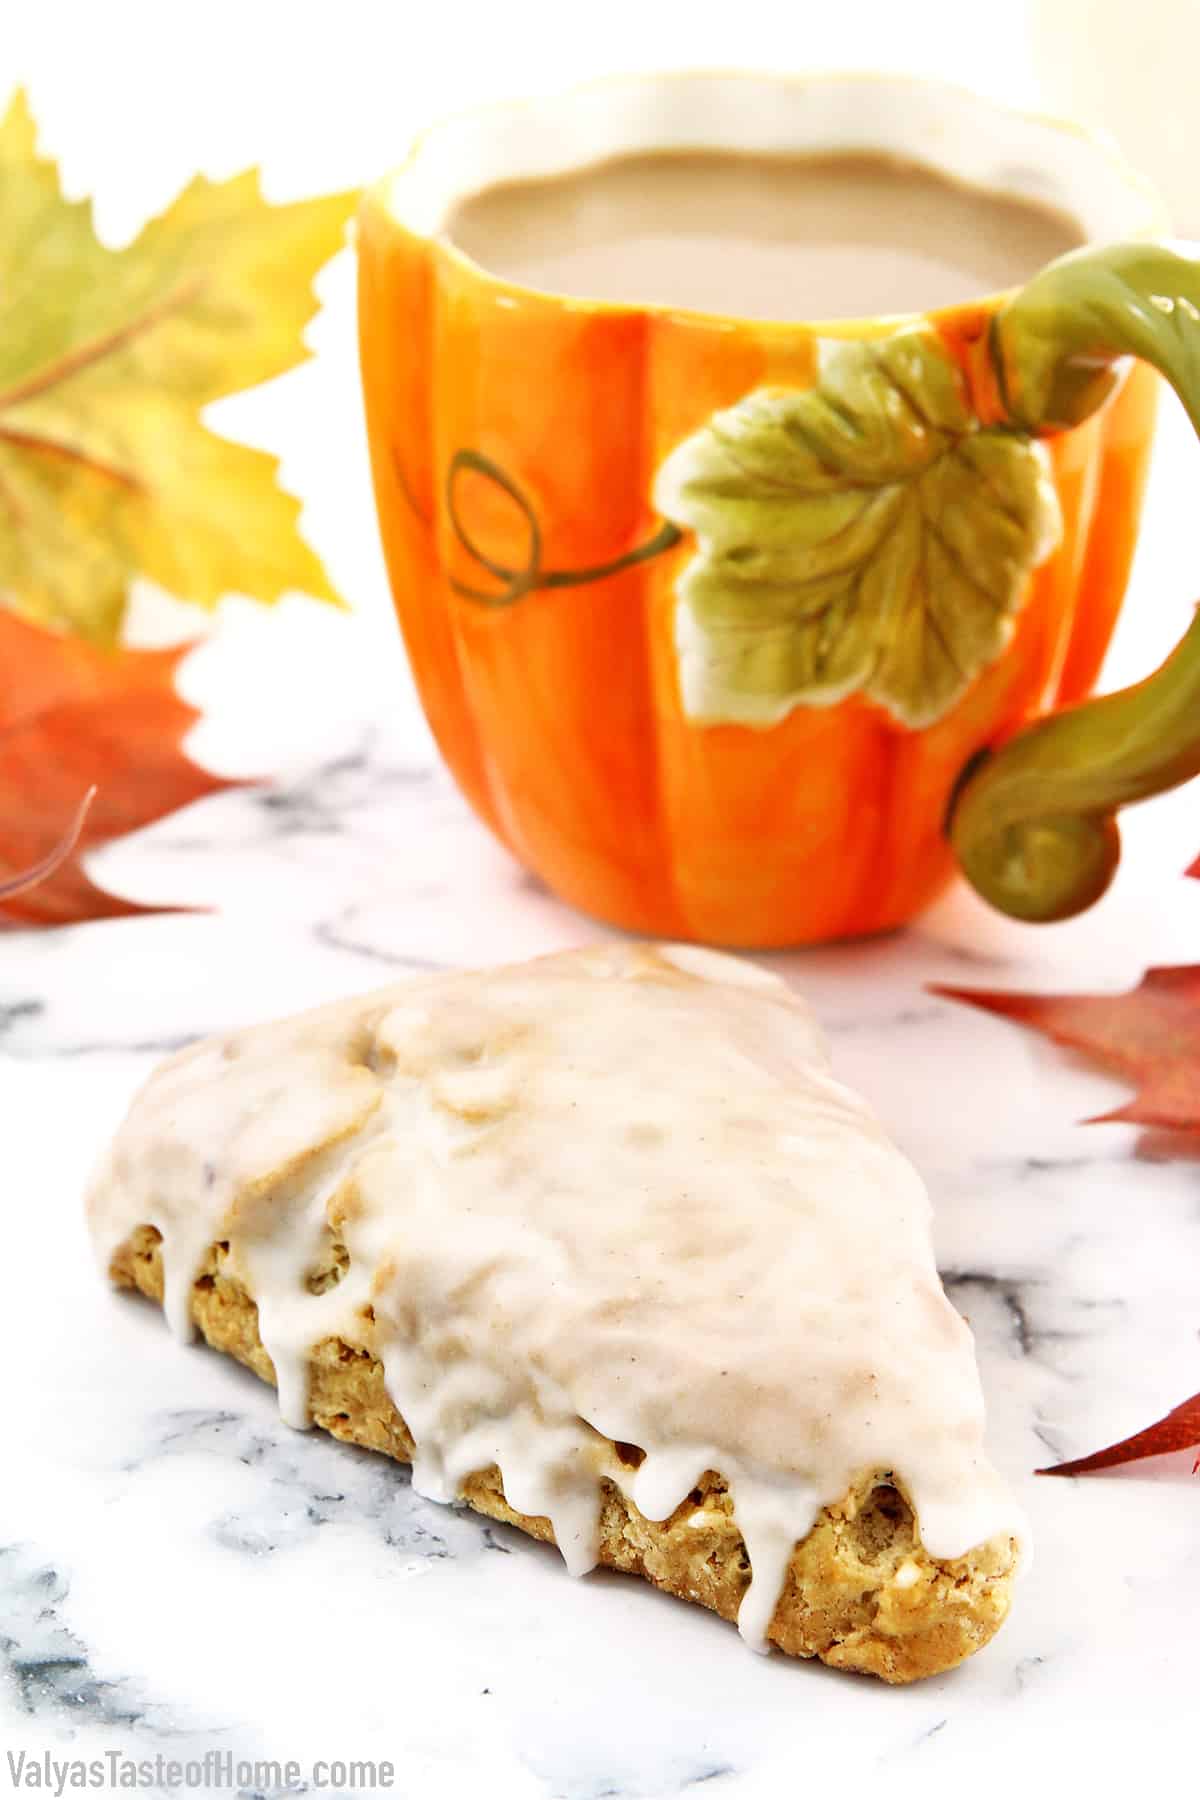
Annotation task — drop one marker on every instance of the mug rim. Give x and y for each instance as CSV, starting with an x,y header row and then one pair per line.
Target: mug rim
x,y
388,192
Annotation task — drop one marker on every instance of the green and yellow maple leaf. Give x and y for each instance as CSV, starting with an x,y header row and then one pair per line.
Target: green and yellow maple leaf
x,y
107,358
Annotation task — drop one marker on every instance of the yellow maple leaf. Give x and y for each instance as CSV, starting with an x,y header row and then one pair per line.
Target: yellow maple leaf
x,y
106,359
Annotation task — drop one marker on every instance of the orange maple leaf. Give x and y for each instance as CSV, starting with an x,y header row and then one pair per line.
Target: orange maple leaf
x,y
1151,1034
74,717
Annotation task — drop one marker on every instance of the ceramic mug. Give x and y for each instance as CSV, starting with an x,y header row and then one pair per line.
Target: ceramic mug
x,y
732,630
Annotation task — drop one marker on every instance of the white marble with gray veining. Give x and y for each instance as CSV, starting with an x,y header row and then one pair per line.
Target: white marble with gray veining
x,y
180,1570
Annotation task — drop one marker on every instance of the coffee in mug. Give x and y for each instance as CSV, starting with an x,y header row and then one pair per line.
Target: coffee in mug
x,y
761,237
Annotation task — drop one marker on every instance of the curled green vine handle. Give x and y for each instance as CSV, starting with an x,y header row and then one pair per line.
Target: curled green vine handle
x,y
1033,824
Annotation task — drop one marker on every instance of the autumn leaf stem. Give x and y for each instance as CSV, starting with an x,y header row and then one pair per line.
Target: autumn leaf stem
x,y
11,504
33,440
83,356
54,858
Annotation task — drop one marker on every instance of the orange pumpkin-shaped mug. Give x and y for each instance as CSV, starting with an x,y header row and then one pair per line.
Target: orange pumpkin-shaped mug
x,y
733,630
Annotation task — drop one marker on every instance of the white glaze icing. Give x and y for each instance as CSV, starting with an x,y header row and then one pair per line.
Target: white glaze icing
x,y
609,1195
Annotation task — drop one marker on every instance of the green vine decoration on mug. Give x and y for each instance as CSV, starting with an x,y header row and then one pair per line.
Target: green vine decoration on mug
x,y
530,577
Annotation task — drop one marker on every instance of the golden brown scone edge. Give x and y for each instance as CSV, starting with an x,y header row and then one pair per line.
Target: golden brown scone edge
x,y
841,1601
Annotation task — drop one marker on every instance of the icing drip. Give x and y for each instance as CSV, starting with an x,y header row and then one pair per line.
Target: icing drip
x,y
613,1196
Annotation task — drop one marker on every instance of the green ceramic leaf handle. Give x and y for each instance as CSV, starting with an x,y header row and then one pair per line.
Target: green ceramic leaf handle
x,y
1033,823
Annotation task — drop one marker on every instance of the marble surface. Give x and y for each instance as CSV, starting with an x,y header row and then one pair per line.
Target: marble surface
x,y
180,1571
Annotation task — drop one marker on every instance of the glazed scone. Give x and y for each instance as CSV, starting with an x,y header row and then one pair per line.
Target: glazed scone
x,y
599,1246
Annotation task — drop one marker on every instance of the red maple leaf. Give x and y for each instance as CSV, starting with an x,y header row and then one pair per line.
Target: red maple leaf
x,y
1179,1430
1151,1034
75,718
